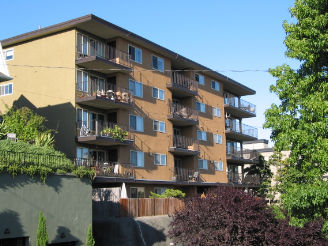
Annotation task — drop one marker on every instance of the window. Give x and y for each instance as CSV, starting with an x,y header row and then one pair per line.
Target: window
x,y
159,126
202,164
136,54
158,63
9,54
160,159
82,81
82,44
82,117
200,107
136,122
136,88
218,166
215,85
199,78
82,156
158,93
201,135
6,89
159,191
217,138
137,158
216,112
137,192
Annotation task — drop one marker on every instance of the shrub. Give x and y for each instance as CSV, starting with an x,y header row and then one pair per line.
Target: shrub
x,y
42,234
90,240
169,193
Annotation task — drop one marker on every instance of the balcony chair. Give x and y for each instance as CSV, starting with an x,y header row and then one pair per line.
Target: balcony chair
x,y
196,176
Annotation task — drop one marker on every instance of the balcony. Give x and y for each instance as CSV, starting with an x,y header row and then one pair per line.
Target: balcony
x,y
240,132
181,115
105,168
184,146
106,59
103,95
182,86
103,133
238,107
186,174
241,156
238,178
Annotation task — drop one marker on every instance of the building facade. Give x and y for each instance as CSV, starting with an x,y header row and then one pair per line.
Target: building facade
x,y
131,109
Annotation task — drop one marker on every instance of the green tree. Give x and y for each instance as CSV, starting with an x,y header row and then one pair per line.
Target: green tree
x,y
42,234
90,240
300,122
262,169
169,193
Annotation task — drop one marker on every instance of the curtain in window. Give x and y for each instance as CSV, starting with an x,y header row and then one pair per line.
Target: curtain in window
x,y
138,89
139,124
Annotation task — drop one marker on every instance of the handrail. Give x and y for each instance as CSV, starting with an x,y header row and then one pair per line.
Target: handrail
x,y
240,179
185,143
187,174
242,153
183,81
233,125
183,111
234,101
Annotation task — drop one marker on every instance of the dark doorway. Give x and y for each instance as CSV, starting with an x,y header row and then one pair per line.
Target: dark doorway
x,y
18,241
112,155
111,80
112,44
63,244
112,117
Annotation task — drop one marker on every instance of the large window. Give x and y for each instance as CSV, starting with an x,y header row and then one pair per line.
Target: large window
x,y
215,85
160,159
136,88
137,192
199,78
82,156
82,81
201,135
218,165
200,107
136,122
158,93
216,112
159,126
159,191
217,138
136,54
9,54
202,164
137,158
6,89
82,117
157,63
82,44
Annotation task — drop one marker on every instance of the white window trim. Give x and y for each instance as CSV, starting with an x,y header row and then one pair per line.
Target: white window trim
x,y
157,63
135,54
199,77
217,84
143,164
202,135
6,54
160,188
201,106
203,164
216,110
160,158
136,122
158,89
135,87
219,142
137,190
217,167
4,89
159,129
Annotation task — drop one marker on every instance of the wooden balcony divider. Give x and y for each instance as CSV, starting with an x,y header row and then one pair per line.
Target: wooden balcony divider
x,y
139,207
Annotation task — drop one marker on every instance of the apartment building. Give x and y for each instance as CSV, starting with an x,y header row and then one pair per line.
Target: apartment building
x,y
131,109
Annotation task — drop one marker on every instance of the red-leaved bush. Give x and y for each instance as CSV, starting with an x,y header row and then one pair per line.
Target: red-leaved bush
x,y
228,216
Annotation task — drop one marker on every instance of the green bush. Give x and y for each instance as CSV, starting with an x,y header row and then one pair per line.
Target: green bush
x,y
169,193
42,234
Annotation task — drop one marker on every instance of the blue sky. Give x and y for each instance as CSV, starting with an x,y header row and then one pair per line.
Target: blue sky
x,y
222,35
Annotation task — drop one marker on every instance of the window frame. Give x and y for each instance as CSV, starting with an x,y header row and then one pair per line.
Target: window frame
x,y
216,111
200,76
203,132
135,49
158,90
12,56
217,165
136,122
157,63
201,104
160,188
160,159
159,126
143,158
218,142
216,83
204,161
7,87
134,91
143,188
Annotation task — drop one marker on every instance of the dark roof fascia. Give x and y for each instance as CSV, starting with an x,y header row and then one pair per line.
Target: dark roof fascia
x,y
71,23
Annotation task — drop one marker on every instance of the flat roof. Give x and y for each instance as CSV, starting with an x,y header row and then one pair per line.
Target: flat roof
x,y
104,29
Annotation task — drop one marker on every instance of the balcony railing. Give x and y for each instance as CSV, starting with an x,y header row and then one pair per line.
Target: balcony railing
x,y
106,168
183,81
186,174
103,51
183,111
238,178
244,154
185,143
234,101
106,90
234,125
104,129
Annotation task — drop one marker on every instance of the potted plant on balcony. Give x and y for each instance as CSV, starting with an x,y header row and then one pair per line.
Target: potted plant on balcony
x,y
115,132
94,93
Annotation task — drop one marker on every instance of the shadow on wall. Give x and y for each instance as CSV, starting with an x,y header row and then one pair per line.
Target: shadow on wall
x,y
106,202
64,235
10,220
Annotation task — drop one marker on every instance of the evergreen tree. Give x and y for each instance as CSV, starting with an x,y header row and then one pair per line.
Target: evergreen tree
x,y
42,234
90,240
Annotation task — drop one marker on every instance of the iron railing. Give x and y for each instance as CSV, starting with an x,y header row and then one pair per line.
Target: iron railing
x,y
183,111
238,178
103,128
244,153
185,143
187,174
100,89
234,101
183,81
234,125
106,52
